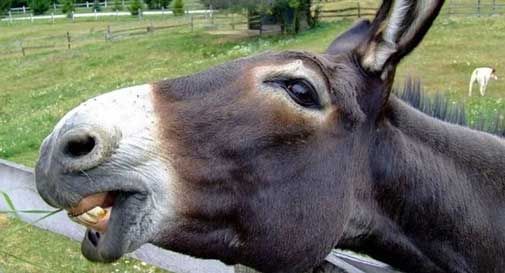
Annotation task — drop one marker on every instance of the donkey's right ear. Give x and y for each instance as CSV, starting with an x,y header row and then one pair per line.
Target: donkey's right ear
x,y
397,29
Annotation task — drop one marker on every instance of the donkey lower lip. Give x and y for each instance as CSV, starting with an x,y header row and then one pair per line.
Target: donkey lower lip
x,y
110,243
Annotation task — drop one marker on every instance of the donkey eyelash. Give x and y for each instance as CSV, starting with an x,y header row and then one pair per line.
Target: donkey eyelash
x,y
300,90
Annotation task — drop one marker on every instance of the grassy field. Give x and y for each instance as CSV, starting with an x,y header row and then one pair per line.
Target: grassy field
x,y
40,88
26,249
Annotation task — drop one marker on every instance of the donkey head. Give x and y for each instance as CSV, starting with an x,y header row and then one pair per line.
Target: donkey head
x,y
255,161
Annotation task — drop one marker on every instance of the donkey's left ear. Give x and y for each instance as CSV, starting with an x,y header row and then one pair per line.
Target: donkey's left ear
x,y
397,29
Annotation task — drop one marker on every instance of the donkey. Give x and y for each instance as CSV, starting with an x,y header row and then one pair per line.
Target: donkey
x,y
273,161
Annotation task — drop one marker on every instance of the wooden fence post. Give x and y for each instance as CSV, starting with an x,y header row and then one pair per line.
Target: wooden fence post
x,y
73,16
31,17
211,15
22,48
494,7
192,23
69,41
52,17
96,15
10,17
140,14
108,33
359,10
478,8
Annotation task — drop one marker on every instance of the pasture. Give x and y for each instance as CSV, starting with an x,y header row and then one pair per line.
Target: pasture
x,y
37,90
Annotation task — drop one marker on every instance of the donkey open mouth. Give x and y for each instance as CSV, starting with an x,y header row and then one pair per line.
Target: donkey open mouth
x,y
98,172
273,161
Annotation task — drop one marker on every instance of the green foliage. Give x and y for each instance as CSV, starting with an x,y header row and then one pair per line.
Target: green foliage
x,y
118,5
165,3
157,4
8,201
292,15
37,94
135,6
5,5
178,7
39,6
96,6
68,7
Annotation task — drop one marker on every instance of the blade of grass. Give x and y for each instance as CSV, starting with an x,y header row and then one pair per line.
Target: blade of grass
x,y
6,254
26,211
9,202
29,224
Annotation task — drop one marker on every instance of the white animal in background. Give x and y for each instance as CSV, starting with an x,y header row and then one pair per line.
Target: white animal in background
x,y
482,76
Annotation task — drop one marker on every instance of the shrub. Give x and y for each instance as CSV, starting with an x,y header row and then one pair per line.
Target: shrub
x,y
96,6
118,5
165,3
5,5
157,4
135,6
178,7
68,7
39,6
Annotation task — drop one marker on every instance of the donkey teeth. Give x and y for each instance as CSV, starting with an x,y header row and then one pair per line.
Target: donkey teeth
x,y
88,219
91,217
97,212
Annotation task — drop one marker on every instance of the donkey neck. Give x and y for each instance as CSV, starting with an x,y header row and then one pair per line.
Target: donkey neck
x,y
437,194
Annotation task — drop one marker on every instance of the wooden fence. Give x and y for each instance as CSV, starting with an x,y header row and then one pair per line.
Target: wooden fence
x,y
336,9
357,11
480,8
190,23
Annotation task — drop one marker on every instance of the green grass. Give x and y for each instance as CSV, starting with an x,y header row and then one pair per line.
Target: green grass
x,y
39,89
32,250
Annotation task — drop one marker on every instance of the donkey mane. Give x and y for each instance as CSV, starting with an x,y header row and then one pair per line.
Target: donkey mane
x,y
440,106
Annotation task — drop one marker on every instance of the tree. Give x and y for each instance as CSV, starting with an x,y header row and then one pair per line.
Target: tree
x,y
178,7
157,4
5,5
118,5
135,6
39,6
68,7
96,6
293,15
165,3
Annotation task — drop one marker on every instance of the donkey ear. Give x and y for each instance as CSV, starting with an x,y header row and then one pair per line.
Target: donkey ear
x,y
350,39
397,29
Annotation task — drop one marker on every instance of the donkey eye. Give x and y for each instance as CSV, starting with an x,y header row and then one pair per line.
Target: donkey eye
x,y
301,91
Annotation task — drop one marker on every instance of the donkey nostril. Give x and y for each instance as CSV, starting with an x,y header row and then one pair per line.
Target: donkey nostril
x,y
80,146
85,147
